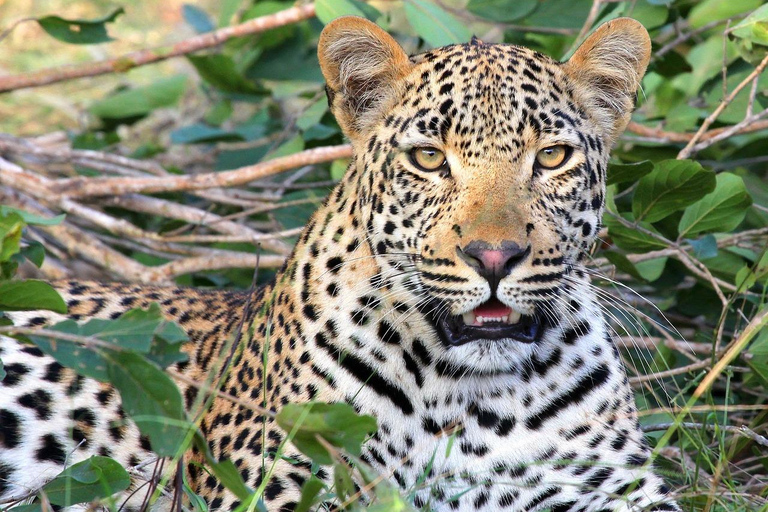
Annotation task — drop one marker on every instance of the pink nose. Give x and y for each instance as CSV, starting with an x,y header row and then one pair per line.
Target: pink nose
x,y
491,262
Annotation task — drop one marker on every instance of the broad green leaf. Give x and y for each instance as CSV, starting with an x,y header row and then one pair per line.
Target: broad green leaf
x,y
30,294
141,100
11,225
719,211
33,252
622,173
133,330
202,133
759,369
754,27
87,361
671,186
309,492
707,11
337,423
79,31
329,10
224,470
671,64
221,72
86,481
31,218
312,115
137,330
434,25
339,168
705,247
622,263
151,399
759,346
502,10
651,270
197,18
632,240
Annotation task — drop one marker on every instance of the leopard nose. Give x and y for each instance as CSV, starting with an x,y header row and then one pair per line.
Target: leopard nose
x,y
493,263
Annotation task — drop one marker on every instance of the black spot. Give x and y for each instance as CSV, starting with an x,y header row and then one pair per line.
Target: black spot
x,y
388,334
14,373
10,432
309,312
51,449
334,264
38,400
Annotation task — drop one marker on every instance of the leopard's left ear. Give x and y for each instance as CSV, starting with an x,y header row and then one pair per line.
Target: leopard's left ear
x,y
608,68
362,65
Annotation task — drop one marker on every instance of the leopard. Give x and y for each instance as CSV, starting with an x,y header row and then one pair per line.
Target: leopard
x,y
442,288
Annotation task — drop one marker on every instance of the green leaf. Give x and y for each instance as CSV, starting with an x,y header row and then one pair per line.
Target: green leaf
x,y
79,31
707,11
337,423
220,71
224,470
651,270
11,225
30,294
632,240
719,211
31,218
141,100
705,247
622,263
434,25
621,173
151,399
86,481
309,492
671,64
133,330
86,361
502,10
329,10
754,27
197,18
673,185
202,133
33,252
339,169
138,330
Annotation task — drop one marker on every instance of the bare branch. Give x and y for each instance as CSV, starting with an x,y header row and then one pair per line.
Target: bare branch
x,y
143,57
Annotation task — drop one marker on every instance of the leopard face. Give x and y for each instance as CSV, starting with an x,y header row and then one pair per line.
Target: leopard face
x,y
480,173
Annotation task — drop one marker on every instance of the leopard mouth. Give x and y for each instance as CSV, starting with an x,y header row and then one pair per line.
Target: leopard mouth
x,y
492,320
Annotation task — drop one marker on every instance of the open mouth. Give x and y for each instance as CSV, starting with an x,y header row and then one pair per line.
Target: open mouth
x,y
492,320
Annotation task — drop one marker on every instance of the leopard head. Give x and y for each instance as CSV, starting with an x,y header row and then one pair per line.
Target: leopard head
x,y
480,168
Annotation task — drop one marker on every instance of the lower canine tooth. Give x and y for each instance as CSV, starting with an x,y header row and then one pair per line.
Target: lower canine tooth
x,y
514,317
469,318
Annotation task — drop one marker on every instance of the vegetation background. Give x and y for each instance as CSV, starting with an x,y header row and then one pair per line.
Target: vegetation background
x,y
196,169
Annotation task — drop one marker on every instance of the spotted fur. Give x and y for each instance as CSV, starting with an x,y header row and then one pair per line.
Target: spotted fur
x,y
490,425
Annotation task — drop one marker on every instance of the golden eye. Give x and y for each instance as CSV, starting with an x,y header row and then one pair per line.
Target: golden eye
x,y
428,159
552,157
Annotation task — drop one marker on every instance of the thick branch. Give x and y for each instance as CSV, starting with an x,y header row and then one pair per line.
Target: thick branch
x,y
87,187
142,57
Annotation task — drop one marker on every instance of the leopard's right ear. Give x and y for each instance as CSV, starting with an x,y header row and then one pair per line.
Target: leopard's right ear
x,y
362,65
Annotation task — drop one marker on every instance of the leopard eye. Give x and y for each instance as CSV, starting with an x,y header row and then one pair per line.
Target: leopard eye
x,y
428,159
553,156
